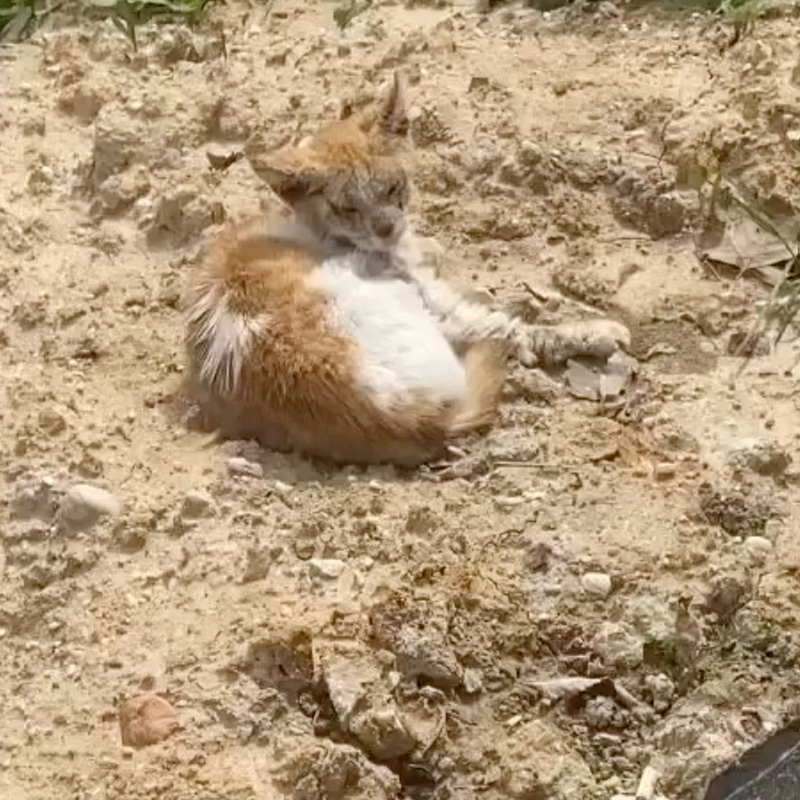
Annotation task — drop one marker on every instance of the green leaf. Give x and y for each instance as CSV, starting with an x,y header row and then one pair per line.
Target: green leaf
x,y
13,30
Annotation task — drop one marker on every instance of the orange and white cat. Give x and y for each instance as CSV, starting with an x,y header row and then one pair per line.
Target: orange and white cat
x,y
325,334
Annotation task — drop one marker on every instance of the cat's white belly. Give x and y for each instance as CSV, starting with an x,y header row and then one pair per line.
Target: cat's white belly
x,y
402,348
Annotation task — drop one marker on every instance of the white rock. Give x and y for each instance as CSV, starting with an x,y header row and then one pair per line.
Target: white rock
x,y
759,547
596,584
241,466
84,504
330,568
473,680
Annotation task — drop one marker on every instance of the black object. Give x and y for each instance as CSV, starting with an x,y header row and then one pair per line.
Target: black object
x,y
770,771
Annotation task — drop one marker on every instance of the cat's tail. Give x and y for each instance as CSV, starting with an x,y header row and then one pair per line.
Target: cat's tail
x,y
485,368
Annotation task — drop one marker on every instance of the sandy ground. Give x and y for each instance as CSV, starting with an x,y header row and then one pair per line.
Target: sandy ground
x,y
330,634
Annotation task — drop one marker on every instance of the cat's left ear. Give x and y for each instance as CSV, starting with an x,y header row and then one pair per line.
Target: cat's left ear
x,y
393,116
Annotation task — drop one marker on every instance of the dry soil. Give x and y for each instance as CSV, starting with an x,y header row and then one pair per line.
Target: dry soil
x,y
348,634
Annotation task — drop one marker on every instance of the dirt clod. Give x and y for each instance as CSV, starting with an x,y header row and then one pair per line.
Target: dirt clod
x,y
146,719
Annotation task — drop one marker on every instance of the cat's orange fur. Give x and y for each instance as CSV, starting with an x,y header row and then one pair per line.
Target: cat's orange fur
x,y
267,358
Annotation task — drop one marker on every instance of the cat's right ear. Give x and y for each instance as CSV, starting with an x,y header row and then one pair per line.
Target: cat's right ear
x,y
283,171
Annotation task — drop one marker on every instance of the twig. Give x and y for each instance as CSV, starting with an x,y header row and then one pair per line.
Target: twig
x,y
526,464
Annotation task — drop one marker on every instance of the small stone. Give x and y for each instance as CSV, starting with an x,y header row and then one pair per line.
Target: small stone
x,y
348,677
241,466
473,681
51,422
327,568
219,159
146,719
196,505
762,456
664,471
304,548
596,584
84,505
530,154
773,528
619,645
382,733
32,498
662,689
759,547
430,657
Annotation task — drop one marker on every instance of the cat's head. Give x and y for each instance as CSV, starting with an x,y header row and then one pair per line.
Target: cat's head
x,y
347,182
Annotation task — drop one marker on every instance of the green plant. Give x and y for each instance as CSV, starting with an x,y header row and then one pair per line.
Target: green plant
x,y
344,14
128,15
18,18
780,309
740,10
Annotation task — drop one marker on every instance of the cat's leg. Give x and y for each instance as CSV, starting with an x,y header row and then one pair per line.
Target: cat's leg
x,y
464,322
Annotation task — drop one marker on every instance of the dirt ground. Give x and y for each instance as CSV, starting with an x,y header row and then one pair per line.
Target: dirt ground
x,y
366,635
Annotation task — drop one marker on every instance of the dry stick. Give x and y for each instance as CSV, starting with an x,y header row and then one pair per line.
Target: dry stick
x,y
524,463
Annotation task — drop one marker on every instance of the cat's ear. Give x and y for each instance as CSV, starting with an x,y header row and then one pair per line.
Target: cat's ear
x,y
290,185
393,115
286,171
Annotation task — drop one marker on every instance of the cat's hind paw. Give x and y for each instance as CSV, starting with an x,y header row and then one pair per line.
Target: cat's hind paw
x,y
554,346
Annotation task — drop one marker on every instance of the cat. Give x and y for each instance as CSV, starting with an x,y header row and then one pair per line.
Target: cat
x,y
325,334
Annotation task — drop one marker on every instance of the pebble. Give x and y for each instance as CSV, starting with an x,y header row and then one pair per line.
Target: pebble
x,y
773,529
329,568
84,504
664,471
51,422
759,547
662,689
473,680
596,584
241,466
196,505
383,734
619,645
507,503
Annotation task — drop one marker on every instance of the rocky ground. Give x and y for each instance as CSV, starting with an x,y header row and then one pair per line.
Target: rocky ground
x,y
595,589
